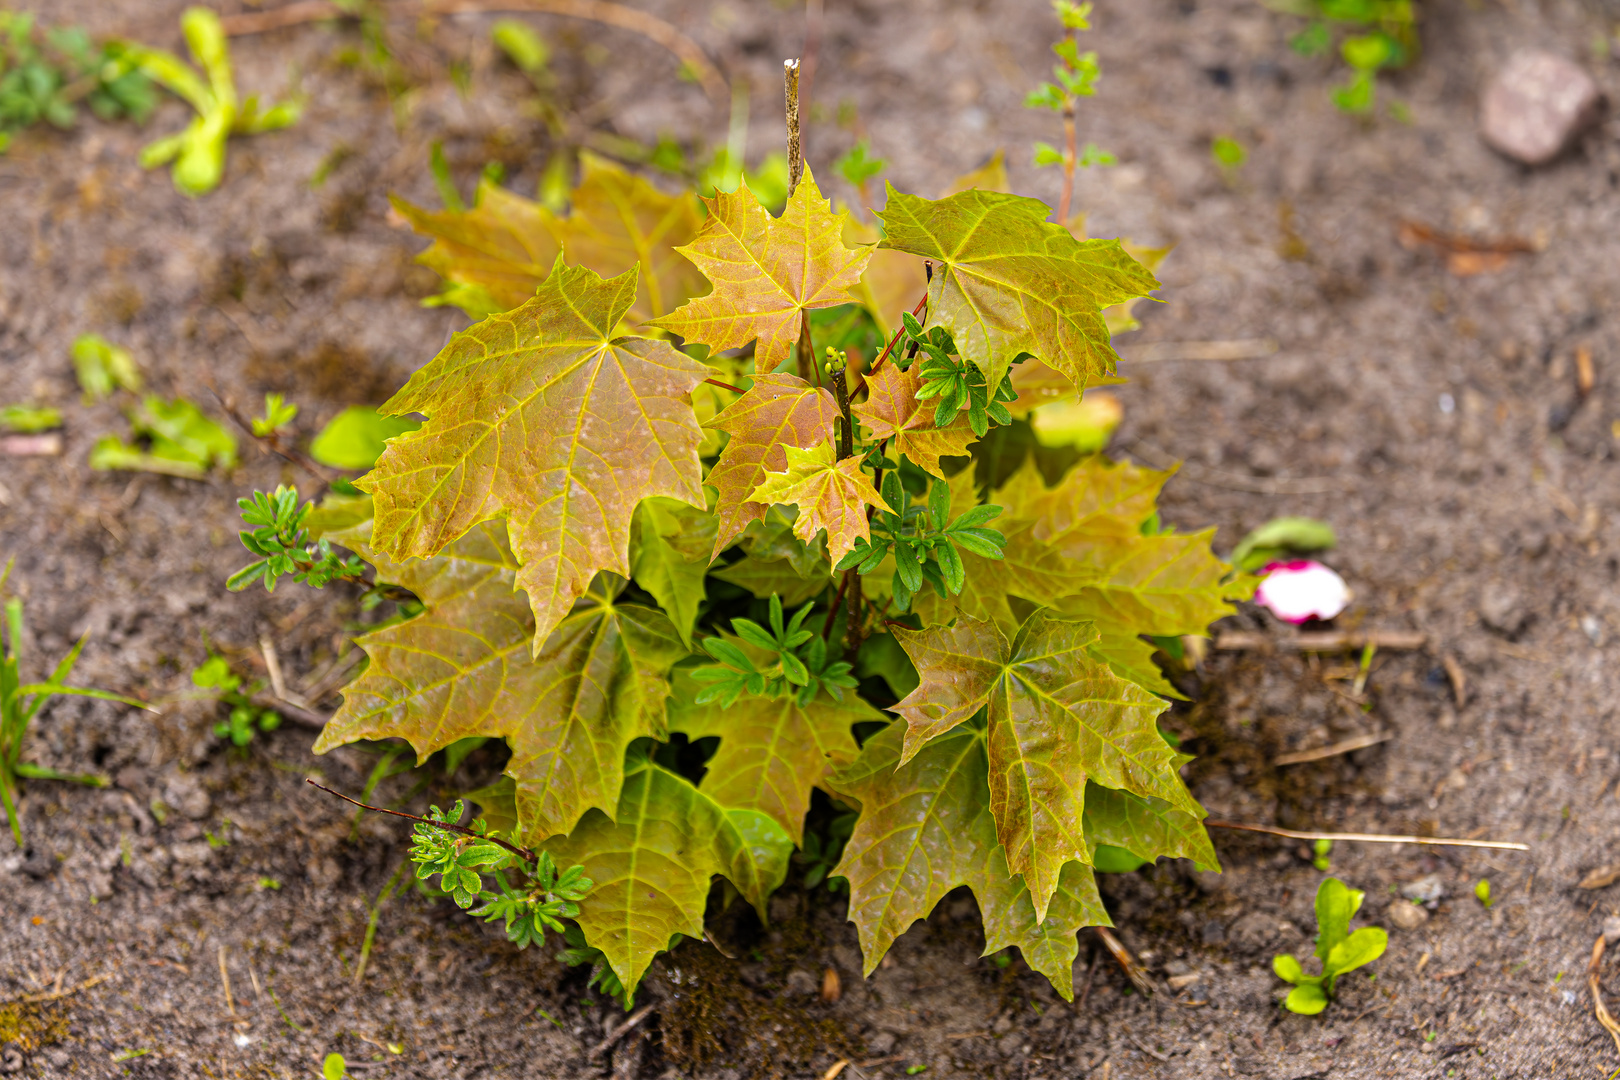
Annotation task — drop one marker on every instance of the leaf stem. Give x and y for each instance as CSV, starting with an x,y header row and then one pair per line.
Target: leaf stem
x,y
805,352
725,386
520,852
832,612
916,313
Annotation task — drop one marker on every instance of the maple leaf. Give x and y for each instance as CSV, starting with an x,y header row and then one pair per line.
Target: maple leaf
x,y
1008,281
1147,828
926,827
654,859
777,412
766,272
620,221
1056,717
670,551
767,577
499,251
463,668
772,752
831,495
891,410
1036,383
539,416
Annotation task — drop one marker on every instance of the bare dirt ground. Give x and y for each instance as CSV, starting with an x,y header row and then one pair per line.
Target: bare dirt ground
x,y
1434,419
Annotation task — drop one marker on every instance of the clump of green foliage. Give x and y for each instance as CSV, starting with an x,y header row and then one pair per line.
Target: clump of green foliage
x,y
1383,36
21,702
45,76
1337,948
244,717
693,563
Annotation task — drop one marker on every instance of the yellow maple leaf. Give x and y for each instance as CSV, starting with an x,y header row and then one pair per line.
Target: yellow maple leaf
x,y
766,272
831,495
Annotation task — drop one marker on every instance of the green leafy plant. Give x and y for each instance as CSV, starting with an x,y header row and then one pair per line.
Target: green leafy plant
x,y
21,702
1482,893
44,77
29,418
334,1067
1384,36
244,717
103,367
198,152
1338,949
278,413
356,437
178,441
682,565
1076,73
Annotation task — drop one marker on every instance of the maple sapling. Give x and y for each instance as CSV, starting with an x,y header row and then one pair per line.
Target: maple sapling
x,y
691,578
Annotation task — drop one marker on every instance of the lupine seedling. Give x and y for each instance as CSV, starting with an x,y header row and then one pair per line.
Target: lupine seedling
x,y
1339,950
20,702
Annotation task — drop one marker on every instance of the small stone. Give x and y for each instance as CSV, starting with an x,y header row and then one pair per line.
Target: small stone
x,y
801,983
1537,106
881,1043
1427,1047
185,793
1407,916
1611,929
1425,890
1501,607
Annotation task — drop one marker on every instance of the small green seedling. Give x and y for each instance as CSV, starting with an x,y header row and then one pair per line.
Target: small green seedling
x,y
335,1067
277,415
215,674
20,702
1076,76
283,545
45,81
1482,893
29,419
1338,949
1387,38
1322,851
1228,153
198,152
103,367
179,440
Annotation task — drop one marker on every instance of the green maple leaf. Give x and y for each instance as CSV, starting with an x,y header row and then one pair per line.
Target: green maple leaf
x,y
926,828
620,221
1146,827
766,272
1008,281
1056,716
463,668
777,412
766,577
670,549
542,417
772,752
497,253
654,859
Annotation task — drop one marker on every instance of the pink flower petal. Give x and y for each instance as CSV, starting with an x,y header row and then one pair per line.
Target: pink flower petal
x,y
1302,589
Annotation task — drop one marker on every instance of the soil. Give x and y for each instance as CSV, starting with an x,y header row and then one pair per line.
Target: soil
x,y
1437,420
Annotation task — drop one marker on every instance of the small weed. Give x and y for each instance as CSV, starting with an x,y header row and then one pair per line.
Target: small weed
x,y
1339,950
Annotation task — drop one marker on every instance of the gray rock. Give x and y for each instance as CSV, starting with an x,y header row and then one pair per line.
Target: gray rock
x,y
185,793
1425,890
1501,607
1405,916
1537,105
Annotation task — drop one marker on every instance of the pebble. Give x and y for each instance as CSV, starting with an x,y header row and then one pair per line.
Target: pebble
x,y
1611,929
1407,916
1425,890
185,793
1537,105
1501,607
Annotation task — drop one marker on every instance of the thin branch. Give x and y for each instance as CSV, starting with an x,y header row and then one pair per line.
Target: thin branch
x,y
622,1030
462,830
1369,838
832,612
297,714
1133,970
790,80
846,431
687,51
725,386
1595,984
916,313
274,443
1360,742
